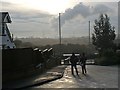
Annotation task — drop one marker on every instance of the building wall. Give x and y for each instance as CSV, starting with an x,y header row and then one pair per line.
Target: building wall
x,y
6,41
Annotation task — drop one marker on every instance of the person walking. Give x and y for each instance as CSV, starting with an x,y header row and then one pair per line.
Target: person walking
x,y
83,59
73,61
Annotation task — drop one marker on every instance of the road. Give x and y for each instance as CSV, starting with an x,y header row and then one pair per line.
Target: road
x,y
97,77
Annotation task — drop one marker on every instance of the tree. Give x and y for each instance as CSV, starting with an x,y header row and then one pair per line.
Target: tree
x,y
104,33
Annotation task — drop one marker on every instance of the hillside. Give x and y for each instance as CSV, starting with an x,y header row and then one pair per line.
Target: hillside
x,y
50,41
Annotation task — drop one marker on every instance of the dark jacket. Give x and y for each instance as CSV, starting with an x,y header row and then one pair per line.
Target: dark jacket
x,y
83,60
73,60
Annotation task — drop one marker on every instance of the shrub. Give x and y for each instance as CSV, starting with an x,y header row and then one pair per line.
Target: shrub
x,y
108,53
108,57
106,60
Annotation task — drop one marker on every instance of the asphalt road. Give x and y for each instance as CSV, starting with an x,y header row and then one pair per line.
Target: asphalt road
x,y
97,77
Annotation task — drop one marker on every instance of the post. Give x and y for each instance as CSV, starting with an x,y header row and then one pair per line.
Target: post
x,y
118,24
59,29
89,32
60,34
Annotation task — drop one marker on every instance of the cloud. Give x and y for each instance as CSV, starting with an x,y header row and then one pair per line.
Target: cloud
x,y
69,14
74,20
98,9
81,10
19,13
26,21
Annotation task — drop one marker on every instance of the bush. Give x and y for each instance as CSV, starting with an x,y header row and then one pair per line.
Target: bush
x,y
108,53
118,56
106,60
108,57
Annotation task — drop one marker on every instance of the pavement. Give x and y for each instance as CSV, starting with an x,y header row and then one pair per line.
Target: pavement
x,y
50,75
96,77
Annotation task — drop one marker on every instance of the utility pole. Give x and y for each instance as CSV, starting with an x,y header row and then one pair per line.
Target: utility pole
x,y
89,32
118,42
60,32
59,29
89,40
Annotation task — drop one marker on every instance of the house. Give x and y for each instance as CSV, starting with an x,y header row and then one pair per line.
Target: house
x,y
6,40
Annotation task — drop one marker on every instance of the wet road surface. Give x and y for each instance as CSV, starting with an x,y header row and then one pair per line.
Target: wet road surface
x,y
97,77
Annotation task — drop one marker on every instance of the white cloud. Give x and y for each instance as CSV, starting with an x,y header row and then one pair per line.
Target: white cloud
x,y
30,22
79,26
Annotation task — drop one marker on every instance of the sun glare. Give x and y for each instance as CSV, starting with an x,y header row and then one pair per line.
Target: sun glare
x,y
53,6
50,6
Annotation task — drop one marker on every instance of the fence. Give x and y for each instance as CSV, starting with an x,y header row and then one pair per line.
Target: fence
x,y
22,62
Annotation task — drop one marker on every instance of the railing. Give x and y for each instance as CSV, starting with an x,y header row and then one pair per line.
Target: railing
x,y
66,61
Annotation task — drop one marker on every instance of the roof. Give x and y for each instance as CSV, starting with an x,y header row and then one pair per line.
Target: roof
x,y
4,17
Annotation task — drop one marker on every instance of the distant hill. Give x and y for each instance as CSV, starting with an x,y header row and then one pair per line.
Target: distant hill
x,y
50,41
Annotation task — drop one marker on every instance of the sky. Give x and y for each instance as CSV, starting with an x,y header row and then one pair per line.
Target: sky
x,y
39,18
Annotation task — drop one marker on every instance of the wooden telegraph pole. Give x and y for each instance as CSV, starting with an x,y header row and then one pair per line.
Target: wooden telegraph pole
x,y
59,29
89,32
60,32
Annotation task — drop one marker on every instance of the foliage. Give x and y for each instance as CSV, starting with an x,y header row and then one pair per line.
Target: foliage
x,y
104,33
20,44
109,57
113,60
69,48
118,57
64,48
118,47
103,39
